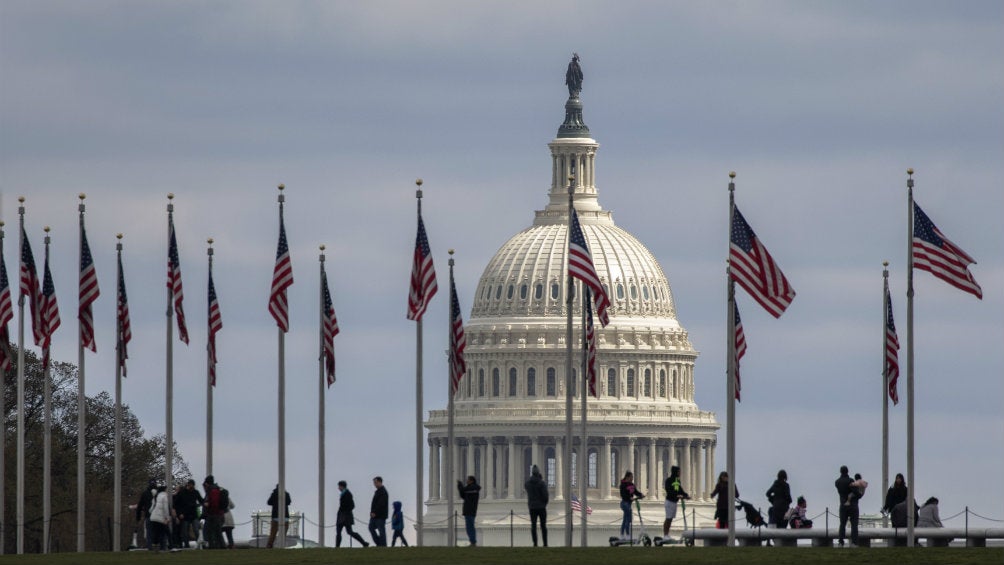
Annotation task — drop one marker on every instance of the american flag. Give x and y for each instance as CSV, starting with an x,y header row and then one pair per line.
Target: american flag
x,y
48,312
282,278
423,276
88,292
6,315
215,322
580,266
329,328
577,506
755,270
891,349
122,318
591,347
174,280
740,345
458,342
934,253
30,286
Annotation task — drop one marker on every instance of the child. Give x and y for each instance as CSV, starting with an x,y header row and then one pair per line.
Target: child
x,y
397,524
796,515
858,487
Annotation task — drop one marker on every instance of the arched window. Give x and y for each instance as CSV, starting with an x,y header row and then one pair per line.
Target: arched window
x,y
620,291
655,292
648,382
481,382
662,383
522,292
509,292
495,382
634,292
630,382
512,381
498,292
531,382
555,291
591,482
644,292
611,382
485,291
552,384
538,291
550,467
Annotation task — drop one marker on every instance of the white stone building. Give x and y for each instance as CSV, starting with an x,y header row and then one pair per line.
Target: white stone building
x,y
510,411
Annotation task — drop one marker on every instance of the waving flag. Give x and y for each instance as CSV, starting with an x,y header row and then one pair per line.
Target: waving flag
x,y
458,342
215,323
891,350
6,315
423,276
48,312
740,345
755,270
329,328
580,266
88,292
30,286
936,254
577,506
591,347
174,281
122,318
282,278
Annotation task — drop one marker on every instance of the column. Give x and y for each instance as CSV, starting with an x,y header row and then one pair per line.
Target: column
x,y
434,477
559,484
470,459
512,468
686,469
604,477
707,469
488,468
711,469
630,456
653,470
699,470
535,451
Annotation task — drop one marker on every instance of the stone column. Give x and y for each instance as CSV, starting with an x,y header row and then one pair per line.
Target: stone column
x,y
512,468
707,470
699,470
488,468
559,484
630,457
470,460
535,451
712,477
433,468
653,470
686,470
604,475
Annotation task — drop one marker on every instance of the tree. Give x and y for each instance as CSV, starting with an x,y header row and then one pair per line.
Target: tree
x,y
142,459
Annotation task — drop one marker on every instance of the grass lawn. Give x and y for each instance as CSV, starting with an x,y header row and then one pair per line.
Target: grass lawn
x,y
532,556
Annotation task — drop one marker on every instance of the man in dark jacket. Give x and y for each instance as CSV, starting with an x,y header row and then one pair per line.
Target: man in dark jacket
x,y
536,501
470,493
843,484
344,519
273,501
379,510
187,503
143,512
214,513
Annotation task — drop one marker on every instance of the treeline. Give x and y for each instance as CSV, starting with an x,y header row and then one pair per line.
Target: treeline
x,y
142,458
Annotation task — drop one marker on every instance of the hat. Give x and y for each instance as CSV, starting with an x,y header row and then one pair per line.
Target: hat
x,y
209,480
535,470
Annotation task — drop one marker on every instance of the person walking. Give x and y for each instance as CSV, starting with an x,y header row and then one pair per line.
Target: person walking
x,y
536,501
397,525
629,493
722,505
848,512
273,501
779,496
214,513
344,518
470,493
674,494
379,509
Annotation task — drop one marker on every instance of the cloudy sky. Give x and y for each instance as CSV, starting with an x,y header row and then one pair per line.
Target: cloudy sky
x,y
819,107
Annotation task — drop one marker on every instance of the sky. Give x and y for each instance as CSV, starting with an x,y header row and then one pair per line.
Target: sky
x,y
820,107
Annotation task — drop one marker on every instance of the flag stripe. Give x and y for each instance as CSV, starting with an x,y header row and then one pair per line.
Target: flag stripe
x,y
591,347
891,350
740,345
89,292
49,311
458,341
423,276
6,315
329,329
282,278
215,324
580,266
755,270
124,329
174,280
936,254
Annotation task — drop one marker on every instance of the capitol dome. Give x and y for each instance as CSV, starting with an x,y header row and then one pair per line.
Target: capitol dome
x,y
510,409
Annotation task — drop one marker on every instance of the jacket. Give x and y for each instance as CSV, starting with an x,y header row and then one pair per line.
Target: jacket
x,y
380,506
629,492
722,492
928,516
228,517
397,518
471,494
345,507
895,495
159,511
145,500
187,503
213,502
536,492
843,484
779,496
273,501
674,490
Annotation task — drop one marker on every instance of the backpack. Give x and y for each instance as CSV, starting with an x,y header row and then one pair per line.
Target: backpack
x,y
224,499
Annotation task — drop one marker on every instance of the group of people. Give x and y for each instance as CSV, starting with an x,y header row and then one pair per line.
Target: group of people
x,y
379,510
174,520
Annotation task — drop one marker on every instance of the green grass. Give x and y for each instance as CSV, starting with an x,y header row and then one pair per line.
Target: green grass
x,y
533,556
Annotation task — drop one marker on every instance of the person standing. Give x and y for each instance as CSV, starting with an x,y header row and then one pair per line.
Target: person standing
x,y
379,509
779,496
214,513
536,501
895,494
160,516
847,511
628,495
187,506
344,518
722,506
674,494
228,523
273,501
143,513
470,493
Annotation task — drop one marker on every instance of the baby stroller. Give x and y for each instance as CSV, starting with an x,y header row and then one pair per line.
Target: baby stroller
x,y
642,538
753,517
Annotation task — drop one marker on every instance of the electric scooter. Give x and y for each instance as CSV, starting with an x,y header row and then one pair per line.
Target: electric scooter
x,y
642,538
659,541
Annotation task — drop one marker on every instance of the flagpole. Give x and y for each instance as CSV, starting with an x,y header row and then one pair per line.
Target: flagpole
x,y
885,385
3,445
209,374
451,540
910,487
583,461
731,383
20,391
321,381
81,406
169,380
419,436
281,397
47,437
566,470
117,496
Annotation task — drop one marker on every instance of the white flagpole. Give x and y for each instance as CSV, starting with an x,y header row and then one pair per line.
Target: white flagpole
x,y
321,382
583,459
885,386
169,369
281,498
3,457
451,536
117,496
209,381
47,438
81,408
419,435
20,391
731,387
910,487
566,471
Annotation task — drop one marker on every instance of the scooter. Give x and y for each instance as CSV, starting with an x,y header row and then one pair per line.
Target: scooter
x,y
642,538
659,541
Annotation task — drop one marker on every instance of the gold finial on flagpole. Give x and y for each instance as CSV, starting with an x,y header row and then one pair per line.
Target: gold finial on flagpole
x,y
46,229
209,241
282,196
118,236
885,263
20,199
732,174
418,191
909,178
322,247
170,196
81,196
910,171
